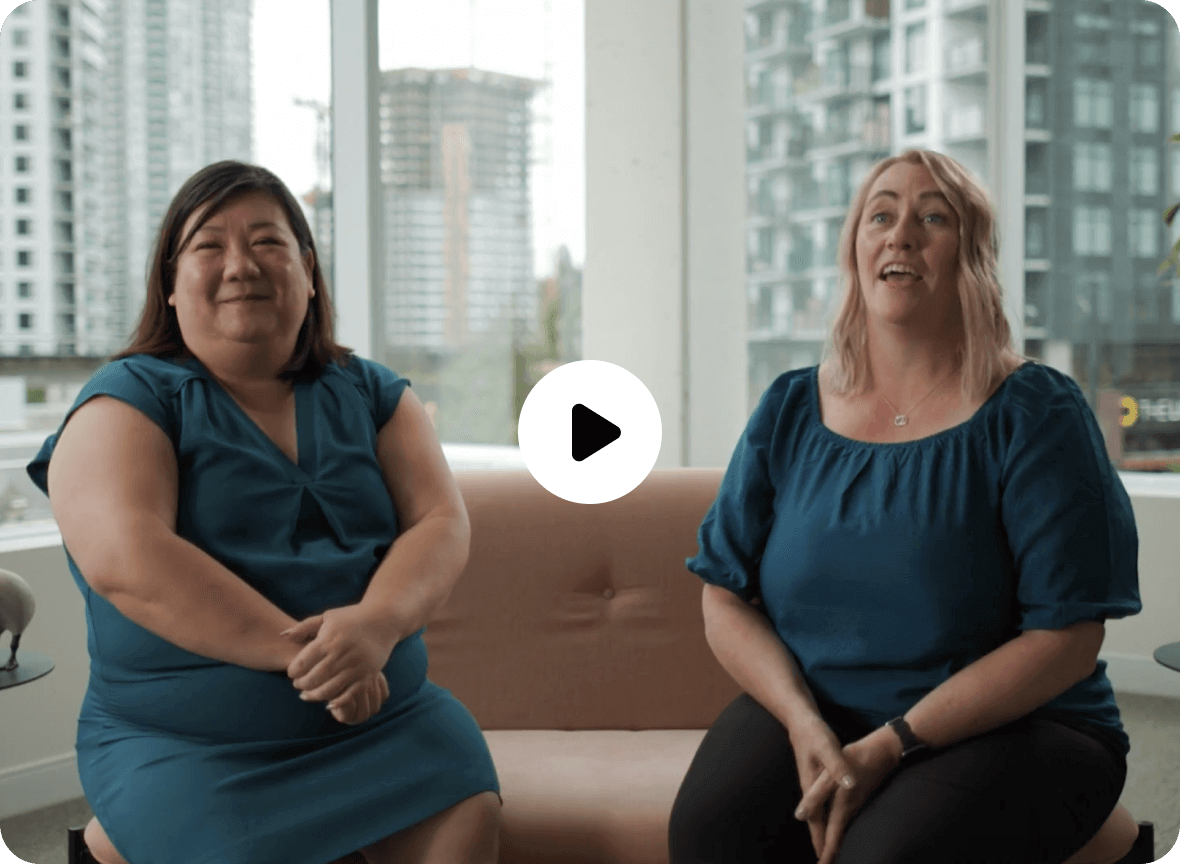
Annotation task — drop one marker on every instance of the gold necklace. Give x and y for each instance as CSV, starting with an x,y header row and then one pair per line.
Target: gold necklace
x,y
900,418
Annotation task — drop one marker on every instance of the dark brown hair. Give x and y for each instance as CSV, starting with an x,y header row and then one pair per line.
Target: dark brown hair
x,y
158,333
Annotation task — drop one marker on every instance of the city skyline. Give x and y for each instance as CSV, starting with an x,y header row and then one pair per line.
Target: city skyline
x,y
292,60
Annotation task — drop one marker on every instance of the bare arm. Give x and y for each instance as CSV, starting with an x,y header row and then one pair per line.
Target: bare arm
x,y
113,488
1007,683
749,649
421,567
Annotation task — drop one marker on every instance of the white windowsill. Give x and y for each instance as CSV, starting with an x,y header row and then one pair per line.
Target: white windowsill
x,y
20,536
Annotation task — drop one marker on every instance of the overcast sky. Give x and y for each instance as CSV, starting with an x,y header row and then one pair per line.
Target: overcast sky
x,y
517,37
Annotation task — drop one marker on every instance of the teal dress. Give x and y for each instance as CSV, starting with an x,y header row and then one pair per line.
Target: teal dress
x,y
887,568
191,760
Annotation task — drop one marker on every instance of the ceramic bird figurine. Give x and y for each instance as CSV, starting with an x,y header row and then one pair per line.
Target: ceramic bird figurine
x,y
16,611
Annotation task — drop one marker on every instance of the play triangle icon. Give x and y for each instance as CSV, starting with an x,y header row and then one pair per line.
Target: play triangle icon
x,y
591,432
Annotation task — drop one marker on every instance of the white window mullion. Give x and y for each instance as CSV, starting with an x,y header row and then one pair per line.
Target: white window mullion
x,y
358,276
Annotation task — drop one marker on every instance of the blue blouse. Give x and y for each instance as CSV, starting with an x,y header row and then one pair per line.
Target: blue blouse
x,y
887,568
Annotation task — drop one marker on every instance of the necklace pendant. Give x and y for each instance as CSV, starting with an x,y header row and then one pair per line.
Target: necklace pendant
x,y
900,420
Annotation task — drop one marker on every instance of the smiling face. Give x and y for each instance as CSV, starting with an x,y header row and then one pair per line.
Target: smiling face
x,y
907,249
241,280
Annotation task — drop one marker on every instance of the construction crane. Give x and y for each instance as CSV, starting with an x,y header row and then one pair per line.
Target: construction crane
x,y
323,140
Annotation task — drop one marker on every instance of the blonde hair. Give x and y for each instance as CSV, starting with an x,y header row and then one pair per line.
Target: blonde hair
x,y
987,334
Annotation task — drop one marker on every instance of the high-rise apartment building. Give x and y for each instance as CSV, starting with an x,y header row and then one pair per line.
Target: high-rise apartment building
x,y
458,227
177,96
52,284
835,85
106,107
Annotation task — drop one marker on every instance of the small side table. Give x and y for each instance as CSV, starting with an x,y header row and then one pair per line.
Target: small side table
x,y
33,665
1169,655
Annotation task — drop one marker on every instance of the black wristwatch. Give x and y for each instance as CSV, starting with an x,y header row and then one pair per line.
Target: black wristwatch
x,y
911,746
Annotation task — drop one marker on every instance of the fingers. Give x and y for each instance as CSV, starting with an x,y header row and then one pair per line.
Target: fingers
x,y
361,701
356,706
307,660
817,825
815,797
837,819
823,786
331,689
305,630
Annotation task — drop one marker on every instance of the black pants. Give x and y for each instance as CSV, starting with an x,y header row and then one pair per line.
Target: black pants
x,y
1034,790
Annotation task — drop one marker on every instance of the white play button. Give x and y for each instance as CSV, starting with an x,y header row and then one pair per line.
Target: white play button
x,y
589,432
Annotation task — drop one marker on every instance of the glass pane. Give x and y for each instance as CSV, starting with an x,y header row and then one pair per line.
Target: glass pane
x,y
119,105
1099,173
484,180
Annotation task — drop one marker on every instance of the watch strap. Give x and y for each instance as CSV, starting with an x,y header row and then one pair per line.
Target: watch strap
x,y
910,743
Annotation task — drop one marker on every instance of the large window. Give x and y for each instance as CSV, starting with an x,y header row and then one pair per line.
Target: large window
x,y
482,172
100,152
1098,174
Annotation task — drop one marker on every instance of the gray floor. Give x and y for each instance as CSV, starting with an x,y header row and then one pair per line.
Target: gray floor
x,y
1152,792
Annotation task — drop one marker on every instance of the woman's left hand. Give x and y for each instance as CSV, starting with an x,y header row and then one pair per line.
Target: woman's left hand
x,y
346,645
872,759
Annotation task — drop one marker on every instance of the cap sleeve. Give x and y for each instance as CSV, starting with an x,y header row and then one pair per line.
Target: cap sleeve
x,y
381,387
733,534
1068,518
144,383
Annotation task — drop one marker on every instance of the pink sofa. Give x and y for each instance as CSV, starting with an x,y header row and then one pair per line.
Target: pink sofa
x,y
575,637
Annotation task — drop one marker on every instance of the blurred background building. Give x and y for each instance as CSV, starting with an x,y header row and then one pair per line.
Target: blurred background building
x,y
108,106
834,85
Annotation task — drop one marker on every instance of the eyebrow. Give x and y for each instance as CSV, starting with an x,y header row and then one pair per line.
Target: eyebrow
x,y
252,226
929,194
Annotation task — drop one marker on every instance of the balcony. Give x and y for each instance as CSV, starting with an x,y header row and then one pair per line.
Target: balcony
x,y
967,61
770,157
845,19
966,8
816,203
836,82
872,137
792,41
966,123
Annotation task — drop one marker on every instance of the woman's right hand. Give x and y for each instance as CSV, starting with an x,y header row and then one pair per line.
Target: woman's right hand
x,y
360,701
816,748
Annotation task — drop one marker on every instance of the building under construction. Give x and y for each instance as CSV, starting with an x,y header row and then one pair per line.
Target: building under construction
x,y
457,222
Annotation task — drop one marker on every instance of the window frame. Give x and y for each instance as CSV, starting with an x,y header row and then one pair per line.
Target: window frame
x,y
662,297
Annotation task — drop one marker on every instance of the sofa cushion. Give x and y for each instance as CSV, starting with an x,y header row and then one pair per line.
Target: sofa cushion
x,y
581,616
589,797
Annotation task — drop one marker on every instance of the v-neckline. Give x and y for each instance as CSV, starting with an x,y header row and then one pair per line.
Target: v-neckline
x,y
301,442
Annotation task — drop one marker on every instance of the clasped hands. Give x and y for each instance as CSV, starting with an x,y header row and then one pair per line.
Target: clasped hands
x,y
837,780
342,661
345,651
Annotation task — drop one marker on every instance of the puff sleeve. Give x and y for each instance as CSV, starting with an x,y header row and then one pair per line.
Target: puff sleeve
x,y
733,535
1068,518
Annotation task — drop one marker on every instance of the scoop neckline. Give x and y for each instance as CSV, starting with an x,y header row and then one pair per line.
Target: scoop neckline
x,y
958,428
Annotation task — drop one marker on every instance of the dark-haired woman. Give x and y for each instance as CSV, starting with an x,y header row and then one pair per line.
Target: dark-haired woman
x,y
261,525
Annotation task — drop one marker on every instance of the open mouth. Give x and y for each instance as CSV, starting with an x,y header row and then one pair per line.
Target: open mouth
x,y
895,276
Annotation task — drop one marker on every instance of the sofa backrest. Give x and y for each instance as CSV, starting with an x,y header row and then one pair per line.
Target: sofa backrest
x,y
581,616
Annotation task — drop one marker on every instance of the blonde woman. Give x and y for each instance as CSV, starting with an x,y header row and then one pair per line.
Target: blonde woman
x,y
908,567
